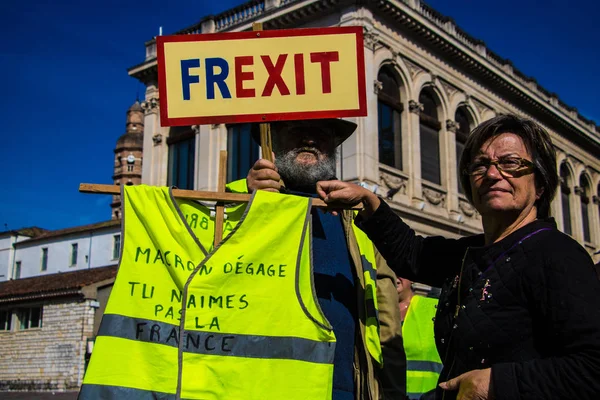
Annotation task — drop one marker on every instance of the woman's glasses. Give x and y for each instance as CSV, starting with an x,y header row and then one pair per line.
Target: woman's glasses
x,y
508,167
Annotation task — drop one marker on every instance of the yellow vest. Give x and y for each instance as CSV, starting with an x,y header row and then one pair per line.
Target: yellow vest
x,y
368,268
423,364
251,327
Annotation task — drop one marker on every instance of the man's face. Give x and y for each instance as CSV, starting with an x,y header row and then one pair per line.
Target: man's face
x,y
304,154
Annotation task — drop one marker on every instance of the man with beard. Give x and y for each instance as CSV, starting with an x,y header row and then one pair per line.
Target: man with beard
x,y
305,154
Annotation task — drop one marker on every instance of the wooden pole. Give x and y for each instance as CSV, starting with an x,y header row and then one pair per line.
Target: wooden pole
x,y
266,144
197,195
220,209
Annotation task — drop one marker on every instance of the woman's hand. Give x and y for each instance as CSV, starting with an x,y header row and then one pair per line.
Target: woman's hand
x,y
472,385
348,193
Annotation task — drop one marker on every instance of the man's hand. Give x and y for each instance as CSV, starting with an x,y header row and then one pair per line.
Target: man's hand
x,y
263,176
472,385
348,193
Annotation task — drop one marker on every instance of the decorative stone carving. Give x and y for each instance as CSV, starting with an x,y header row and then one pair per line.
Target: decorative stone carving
x,y
466,208
413,68
196,129
371,38
452,126
415,107
450,90
578,190
150,105
480,106
435,198
434,78
395,184
157,139
596,199
377,86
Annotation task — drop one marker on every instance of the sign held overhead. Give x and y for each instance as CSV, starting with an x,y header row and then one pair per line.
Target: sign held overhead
x,y
261,76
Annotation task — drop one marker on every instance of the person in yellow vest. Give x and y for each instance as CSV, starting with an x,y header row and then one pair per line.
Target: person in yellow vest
x,y
369,360
250,318
187,321
423,364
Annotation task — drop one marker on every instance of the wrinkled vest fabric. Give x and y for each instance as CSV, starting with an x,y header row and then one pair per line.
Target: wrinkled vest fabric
x,y
423,362
238,322
369,273
369,269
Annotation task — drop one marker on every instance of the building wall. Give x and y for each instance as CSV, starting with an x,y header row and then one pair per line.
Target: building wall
x,y
51,357
7,254
429,208
94,249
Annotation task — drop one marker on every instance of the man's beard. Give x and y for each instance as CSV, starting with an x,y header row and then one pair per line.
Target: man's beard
x,y
304,177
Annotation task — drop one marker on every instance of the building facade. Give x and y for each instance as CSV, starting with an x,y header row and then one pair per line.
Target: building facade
x,y
428,84
47,328
64,250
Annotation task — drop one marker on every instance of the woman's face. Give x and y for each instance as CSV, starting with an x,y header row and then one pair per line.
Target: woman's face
x,y
494,192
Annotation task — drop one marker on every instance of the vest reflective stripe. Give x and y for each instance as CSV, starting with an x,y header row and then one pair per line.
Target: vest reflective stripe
x,y
248,306
426,366
369,268
90,391
423,362
244,346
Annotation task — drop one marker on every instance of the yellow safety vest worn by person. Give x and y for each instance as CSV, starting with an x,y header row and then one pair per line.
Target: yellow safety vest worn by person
x,y
240,322
423,364
368,280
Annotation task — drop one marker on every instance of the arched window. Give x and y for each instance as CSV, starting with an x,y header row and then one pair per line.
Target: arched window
x,y
389,109
182,148
429,125
462,132
565,192
585,207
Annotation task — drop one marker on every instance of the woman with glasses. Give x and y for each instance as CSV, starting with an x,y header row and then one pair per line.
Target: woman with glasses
x,y
519,313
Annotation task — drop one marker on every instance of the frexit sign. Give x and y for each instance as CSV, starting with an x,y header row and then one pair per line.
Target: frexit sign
x,y
261,76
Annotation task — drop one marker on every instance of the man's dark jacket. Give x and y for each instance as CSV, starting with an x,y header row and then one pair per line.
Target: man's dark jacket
x,y
528,306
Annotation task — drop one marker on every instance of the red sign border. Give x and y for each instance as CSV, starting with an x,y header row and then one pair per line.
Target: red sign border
x,y
361,111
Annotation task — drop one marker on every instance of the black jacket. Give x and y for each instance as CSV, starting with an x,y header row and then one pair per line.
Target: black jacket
x,y
528,305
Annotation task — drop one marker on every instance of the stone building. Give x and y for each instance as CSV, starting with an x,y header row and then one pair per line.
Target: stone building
x,y
129,155
428,84
47,327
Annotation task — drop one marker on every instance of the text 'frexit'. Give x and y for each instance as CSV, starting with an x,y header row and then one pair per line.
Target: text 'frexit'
x,y
217,70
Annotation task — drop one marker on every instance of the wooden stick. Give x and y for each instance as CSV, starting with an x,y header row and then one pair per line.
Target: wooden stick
x,y
220,209
198,195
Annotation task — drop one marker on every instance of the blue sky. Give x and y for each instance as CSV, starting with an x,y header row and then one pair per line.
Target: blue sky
x,y
66,88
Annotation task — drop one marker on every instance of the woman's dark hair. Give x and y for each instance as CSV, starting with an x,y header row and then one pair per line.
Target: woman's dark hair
x,y
538,143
